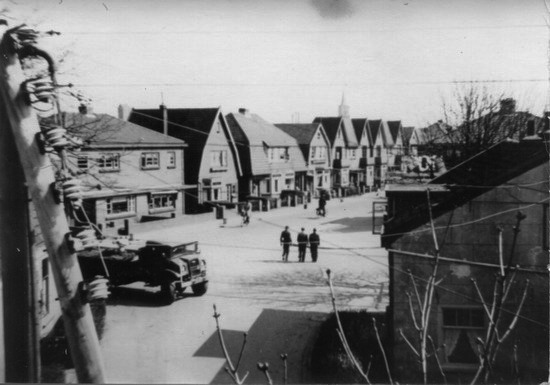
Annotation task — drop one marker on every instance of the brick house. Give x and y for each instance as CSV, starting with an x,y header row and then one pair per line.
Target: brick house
x,y
468,203
366,148
315,147
271,160
129,173
211,160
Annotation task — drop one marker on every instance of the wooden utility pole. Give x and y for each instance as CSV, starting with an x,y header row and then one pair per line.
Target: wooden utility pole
x,y
39,176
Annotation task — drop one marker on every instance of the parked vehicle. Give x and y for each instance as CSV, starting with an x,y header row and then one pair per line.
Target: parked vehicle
x,y
173,267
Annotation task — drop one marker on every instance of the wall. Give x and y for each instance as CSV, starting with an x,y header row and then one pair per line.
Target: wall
x,y
320,170
478,242
217,141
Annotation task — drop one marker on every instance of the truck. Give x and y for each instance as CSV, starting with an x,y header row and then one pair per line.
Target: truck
x,y
172,266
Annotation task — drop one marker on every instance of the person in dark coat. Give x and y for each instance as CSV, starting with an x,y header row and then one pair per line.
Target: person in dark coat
x,y
322,204
286,241
314,241
302,245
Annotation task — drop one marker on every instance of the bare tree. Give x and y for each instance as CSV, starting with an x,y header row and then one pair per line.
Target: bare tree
x,y
481,119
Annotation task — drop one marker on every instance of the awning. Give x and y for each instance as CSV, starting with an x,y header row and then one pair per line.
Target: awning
x,y
168,192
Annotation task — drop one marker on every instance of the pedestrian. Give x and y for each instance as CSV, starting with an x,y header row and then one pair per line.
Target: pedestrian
x,y
322,204
247,207
286,241
302,245
314,241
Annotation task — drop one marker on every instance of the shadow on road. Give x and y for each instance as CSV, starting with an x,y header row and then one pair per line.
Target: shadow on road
x,y
352,225
129,296
273,333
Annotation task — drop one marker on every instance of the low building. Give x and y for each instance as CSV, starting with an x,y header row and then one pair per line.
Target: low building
x,y
366,146
271,160
315,147
211,160
505,187
129,173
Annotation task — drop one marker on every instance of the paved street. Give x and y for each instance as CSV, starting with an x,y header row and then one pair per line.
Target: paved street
x,y
278,304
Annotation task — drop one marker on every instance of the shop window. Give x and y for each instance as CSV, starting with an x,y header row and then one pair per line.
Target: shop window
x,y
121,205
150,160
162,201
461,328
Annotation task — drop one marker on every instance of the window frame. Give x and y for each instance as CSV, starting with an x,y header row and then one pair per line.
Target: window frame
x,y
130,202
144,158
171,159
108,162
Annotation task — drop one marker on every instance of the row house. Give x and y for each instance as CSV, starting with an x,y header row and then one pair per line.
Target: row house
x,y
212,164
315,146
129,173
272,162
470,204
380,139
366,147
396,151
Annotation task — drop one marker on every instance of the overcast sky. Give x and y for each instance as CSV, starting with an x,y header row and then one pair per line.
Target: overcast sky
x,y
394,60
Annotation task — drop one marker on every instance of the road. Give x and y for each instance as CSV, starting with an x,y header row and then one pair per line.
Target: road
x,y
280,305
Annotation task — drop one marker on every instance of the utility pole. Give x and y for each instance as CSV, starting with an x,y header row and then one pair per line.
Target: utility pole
x,y
39,176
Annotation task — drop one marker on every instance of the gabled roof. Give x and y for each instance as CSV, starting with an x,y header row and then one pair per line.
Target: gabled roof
x,y
102,131
386,134
395,129
254,136
331,125
303,133
436,133
374,126
191,124
407,133
466,181
360,125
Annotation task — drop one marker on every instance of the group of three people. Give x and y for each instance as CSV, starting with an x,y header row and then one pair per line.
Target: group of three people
x,y
303,240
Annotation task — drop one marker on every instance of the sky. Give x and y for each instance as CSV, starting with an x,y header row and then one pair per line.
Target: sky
x,y
393,60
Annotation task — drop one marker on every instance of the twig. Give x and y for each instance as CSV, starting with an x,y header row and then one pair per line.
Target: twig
x,y
382,350
264,367
230,369
437,360
340,331
284,357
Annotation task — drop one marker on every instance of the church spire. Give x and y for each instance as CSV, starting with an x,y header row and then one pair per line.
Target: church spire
x,y
343,109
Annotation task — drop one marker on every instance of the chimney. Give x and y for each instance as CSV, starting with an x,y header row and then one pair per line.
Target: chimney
x,y
124,111
507,106
244,111
164,111
531,134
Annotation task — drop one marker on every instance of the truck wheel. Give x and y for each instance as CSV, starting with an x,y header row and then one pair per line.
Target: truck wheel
x,y
200,288
168,291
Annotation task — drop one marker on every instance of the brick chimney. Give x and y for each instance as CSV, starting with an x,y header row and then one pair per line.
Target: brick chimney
x,y
508,106
164,111
244,111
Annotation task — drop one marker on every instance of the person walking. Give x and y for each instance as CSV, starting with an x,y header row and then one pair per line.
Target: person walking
x,y
286,241
322,204
302,245
314,241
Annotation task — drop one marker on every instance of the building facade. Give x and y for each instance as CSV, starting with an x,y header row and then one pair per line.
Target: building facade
x,y
315,147
271,160
379,139
366,149
211,160
501,189
129,173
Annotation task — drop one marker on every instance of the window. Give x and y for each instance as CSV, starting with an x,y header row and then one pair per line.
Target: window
x,y
278,154
109,162
276,186
162,201
171,159
352,153
149,160
45,288
371,151
218,159
82,162
121,205
461,327
364,151
378,151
